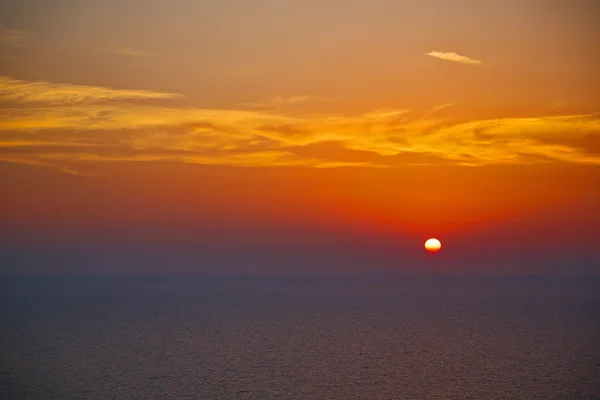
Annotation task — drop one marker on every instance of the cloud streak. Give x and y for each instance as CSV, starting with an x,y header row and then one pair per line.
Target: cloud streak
x,y
454,57
13,90
93,131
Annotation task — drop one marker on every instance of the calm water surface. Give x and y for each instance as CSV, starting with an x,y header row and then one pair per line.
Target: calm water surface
x,y
305,337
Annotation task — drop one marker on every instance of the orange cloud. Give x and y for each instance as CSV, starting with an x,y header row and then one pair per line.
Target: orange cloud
x,y
12,90
454,57
93,131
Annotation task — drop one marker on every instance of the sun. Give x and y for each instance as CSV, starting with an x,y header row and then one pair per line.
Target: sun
x,y
433,245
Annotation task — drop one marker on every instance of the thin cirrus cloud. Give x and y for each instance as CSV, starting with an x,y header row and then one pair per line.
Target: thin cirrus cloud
x,y
13,90
55,128
454,57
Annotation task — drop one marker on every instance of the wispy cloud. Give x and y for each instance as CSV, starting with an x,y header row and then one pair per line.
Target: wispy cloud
x,y
129,52
449,56
441,107
85,132
12,37
12,90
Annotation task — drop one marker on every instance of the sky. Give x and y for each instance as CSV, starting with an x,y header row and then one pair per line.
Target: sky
x,y
299,136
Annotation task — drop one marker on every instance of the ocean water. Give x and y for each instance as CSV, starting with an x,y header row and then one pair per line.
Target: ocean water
x,y
298,337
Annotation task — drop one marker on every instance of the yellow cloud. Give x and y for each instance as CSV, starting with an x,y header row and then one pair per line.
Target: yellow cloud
x,y
453,57
112,117
12,90
85,133
71,162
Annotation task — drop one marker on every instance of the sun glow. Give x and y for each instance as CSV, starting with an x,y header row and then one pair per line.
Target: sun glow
x,y
433,245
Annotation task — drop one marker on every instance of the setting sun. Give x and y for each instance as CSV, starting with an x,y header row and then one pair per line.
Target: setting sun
x,y
433,245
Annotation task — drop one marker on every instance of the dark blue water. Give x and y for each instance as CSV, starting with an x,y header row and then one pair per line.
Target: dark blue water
x,y
305,337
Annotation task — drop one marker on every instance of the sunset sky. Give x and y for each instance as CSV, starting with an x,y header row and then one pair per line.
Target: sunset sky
x,y
328,136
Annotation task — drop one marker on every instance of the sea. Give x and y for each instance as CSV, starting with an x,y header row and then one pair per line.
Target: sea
x,y
298,337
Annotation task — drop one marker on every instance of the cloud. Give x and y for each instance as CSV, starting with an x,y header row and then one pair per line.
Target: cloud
x,y
12,37
441,107
453,57
12,90
94,131
129,52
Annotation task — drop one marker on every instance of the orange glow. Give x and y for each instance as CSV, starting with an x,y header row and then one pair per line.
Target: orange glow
x,y
494,148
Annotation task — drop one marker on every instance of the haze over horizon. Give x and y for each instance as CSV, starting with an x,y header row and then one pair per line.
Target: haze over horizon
x,y
300,136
